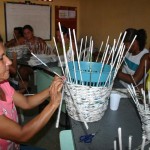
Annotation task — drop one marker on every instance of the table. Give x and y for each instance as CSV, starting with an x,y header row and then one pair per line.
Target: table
x,y
42,74
106,129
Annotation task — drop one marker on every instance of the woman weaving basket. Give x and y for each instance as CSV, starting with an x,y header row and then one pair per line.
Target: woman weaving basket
x,y
11,133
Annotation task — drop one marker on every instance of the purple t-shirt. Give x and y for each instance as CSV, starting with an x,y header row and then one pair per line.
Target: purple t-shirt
x,y
8,109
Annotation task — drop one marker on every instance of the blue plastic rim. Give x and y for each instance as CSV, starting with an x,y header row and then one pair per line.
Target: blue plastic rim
x,y
90,72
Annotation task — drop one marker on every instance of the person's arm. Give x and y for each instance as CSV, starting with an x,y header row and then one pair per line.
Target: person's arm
x,y
138,75
29,102
12,131
10,43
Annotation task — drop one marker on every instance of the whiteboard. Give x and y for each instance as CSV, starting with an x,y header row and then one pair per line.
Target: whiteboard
x,y
38,16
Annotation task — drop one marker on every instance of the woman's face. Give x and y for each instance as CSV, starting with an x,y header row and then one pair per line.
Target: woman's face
x,y
58,36
134,48
4,64
16,34
28,35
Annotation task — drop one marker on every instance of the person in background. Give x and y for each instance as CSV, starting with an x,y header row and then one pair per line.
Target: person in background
x,y
18,38
16,41
67,43
59,40
136,60
11,132
16,83
36,44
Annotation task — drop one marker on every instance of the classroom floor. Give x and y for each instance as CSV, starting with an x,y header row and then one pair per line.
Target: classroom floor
x,y
48,137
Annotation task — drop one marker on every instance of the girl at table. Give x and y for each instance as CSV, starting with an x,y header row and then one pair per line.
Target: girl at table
x,y
18,38
136,60
11,133
67,43
35,45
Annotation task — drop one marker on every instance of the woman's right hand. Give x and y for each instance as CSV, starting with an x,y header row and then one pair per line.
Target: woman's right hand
x,y
55,91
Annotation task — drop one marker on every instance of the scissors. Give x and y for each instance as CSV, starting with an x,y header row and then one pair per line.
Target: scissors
x,y
87,138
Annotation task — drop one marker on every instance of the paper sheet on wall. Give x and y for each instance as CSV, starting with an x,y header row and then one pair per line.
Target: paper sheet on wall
x,y
63,14
72,14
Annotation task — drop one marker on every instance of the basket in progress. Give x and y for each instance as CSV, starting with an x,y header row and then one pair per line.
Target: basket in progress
x,y
88,90
84,103
143,109
145,119
91,73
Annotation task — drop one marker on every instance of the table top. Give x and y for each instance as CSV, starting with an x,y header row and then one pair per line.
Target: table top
x,y
50,65
106,129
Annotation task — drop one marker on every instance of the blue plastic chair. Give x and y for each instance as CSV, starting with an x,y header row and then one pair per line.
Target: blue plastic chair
x,y
66,140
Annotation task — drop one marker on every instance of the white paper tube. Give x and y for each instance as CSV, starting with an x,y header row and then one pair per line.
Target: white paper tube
x,y
46,65
120,138
59,56
59,110
115,145
130,142
143,142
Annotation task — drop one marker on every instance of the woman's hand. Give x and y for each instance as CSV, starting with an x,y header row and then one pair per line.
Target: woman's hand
x,y
55,91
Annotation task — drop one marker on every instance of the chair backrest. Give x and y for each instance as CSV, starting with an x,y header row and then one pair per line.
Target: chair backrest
x,y
66,140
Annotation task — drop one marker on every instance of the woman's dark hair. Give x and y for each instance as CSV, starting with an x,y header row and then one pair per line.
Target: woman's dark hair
x,y
141,36
28,27
20,30
64,30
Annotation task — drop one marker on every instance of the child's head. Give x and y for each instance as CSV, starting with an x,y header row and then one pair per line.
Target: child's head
x,y
140,39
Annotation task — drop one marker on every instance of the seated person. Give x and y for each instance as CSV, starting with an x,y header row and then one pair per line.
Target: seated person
x,y
18,38
144,85
14,81
11,132
35,45
133,68
67,43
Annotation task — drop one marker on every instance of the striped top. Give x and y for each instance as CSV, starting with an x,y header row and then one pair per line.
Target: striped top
x,y
131,64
